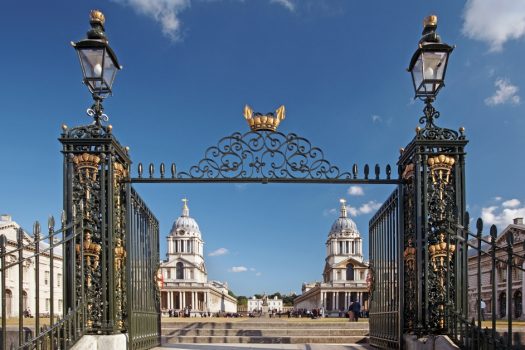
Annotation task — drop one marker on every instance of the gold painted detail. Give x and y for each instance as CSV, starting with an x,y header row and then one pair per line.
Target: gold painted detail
x,y
87,164
269,121
120,170
431,20
97,16
120,255
440,251
91,251
408,173
441,167
409,255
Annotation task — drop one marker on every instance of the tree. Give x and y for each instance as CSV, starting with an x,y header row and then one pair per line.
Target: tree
x,y
242,300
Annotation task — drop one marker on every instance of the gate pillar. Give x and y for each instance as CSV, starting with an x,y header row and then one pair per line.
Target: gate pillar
x,y
95,286
432,168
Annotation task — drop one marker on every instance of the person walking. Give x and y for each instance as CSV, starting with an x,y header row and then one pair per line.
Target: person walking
x,y
356,308
482,306
351,311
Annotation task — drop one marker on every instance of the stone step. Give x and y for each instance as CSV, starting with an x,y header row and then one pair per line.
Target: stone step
x,y
263,325
264,340
273,332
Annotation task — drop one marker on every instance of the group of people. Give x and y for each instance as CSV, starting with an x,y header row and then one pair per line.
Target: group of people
x,y
186,312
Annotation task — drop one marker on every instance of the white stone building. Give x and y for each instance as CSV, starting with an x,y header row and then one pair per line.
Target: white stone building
x,y
344,274
184,276
256,305
505,304
9,228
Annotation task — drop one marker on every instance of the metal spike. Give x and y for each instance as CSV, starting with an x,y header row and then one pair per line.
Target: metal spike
x,y
377,171
51,222
162,170
354,171
36,230
140,170
466,220
151,170
388,171
173,170
479,225
367,170
493,231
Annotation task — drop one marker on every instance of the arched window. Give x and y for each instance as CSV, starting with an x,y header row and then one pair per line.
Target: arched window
x,y
517,304
349,272
180,271
502,304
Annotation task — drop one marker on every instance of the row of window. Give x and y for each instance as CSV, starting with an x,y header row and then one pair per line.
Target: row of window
x,y
179,272
47,275
345,247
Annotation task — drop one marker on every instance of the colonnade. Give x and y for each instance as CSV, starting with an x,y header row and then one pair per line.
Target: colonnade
x,y
178,300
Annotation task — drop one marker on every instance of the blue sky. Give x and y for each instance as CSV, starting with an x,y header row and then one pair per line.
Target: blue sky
x,y
190,66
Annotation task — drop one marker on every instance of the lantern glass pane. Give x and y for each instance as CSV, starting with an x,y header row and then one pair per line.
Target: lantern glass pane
x,y
109,70
434,65
91,60
417,73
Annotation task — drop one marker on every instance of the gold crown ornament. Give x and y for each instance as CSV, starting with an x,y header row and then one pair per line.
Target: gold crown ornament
x,y
439,251
91,251
408,173
120,170
269,121
430,21
97,16
440,167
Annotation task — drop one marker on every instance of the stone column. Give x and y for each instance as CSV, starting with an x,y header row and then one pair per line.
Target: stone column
x,y
168,297
523,291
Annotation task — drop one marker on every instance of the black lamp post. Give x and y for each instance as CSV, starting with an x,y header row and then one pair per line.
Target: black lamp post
x,y
429,65
99,63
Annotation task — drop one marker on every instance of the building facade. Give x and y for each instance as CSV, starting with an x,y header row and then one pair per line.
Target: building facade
x,y
27,294
505,304
344,274
184,276
274,304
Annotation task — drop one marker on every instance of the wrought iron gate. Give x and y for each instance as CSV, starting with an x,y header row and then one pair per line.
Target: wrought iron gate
x,y
142,247
386,275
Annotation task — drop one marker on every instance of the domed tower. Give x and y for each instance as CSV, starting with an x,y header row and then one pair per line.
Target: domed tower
x,y
185,245
343,247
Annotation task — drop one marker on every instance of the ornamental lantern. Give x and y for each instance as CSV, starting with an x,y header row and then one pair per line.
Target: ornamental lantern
x,y
98,61
429,63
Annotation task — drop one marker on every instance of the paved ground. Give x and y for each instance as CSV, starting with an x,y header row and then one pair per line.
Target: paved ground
x,y
264,346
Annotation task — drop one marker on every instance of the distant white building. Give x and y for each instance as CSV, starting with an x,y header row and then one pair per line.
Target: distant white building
x,y
344,274
256,305
184,276
9,228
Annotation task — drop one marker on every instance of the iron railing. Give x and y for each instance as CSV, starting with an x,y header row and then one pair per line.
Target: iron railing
x,y
386,279
142,247
47,328
487,255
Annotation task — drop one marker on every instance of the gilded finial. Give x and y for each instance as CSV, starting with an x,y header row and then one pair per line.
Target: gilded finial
x,y
97,16
430,21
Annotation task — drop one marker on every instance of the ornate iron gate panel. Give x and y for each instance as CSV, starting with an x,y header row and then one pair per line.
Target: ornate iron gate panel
x,y
386,274
142,246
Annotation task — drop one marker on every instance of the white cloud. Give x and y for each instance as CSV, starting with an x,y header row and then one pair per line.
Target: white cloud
x,y
376,118
258,274
218,252
167,12
505,92
356,191
238,269
511,203
498,198
289,4
369,207
504,215
494,21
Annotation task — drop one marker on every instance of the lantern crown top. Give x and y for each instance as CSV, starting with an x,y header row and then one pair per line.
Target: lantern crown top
x,y
430,21
97,16
268,121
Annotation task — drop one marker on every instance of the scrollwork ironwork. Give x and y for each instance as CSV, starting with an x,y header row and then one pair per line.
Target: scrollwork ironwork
x,y
431,131
264,155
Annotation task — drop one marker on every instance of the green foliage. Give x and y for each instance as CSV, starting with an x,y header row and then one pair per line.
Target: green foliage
x,y
242,300
230,293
